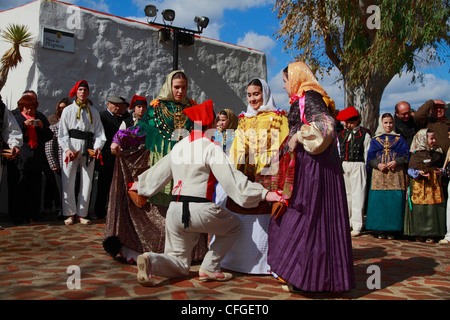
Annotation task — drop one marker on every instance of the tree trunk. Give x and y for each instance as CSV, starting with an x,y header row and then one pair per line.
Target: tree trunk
x,y
366,99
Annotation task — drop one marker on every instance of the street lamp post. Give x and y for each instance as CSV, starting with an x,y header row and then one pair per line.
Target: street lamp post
x,y
180,35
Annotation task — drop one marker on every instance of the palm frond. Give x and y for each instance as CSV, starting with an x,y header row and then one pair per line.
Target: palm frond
x,y
17,35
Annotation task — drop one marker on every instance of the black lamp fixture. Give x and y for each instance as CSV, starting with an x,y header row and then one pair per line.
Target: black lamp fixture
x,y
181,36
150,11
201,22
168,15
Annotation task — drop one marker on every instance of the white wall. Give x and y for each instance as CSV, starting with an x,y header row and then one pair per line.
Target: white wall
x,y
122,57
24,76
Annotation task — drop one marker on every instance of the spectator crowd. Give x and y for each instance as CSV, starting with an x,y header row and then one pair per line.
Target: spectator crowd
x,y
394,181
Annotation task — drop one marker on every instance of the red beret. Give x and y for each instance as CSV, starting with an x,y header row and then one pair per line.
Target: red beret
x,y
137,100
202,113
347,113
74,90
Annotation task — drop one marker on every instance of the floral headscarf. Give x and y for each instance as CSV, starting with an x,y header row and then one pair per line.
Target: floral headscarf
x,y
165,93
302,79
423,157
420,142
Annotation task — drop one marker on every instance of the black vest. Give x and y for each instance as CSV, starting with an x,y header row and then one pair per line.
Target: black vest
x,y
358,146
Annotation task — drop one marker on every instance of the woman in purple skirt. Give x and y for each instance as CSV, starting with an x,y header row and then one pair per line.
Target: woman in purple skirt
x,y
310,245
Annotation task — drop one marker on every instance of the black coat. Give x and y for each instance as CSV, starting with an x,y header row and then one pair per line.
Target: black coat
x,y
111,125
33,159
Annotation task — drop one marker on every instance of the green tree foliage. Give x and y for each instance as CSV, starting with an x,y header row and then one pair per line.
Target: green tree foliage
x,y
367,49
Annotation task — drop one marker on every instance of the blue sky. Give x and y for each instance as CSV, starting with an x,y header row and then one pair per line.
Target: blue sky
x,y
252,23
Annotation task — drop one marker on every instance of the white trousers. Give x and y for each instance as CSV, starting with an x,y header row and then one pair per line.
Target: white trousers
x,y
68,177
205,218
355,178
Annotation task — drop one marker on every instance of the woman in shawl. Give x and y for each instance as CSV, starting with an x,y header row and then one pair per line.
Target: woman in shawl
x,y
131,230
257,139
227,123
388,156
310,245
30,163
425,212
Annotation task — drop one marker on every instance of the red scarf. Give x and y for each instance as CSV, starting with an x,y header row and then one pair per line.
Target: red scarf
x,y
31,133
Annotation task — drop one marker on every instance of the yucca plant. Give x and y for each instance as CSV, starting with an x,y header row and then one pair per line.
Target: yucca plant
x,y
18,36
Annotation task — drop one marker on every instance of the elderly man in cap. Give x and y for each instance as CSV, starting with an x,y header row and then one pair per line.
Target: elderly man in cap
x,y
354,143
80,129
111,119
431,115
194,164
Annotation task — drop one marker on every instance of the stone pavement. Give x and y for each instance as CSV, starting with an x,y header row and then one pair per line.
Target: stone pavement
x,y
36,262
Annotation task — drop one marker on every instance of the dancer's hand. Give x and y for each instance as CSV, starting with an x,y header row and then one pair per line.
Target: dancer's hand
x,y
115,149
15,151
98,153
70,156
134,186
273,196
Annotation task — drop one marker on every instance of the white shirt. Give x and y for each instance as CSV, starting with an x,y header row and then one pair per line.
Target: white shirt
x,y
191,165
69,121
12,134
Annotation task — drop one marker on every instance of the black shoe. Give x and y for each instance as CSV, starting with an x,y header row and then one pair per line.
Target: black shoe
x,y
112,245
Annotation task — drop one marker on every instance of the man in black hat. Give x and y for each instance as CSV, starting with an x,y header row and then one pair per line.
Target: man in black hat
x,y
111,119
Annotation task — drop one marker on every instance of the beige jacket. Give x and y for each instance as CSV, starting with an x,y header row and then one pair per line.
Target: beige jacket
x,y
194,164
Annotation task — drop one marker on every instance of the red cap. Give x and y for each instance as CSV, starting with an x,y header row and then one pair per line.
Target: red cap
x,y
202,113
74,90
137,100
347,113
438,101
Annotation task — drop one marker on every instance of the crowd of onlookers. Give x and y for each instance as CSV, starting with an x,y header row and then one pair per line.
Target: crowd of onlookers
x,y
39,161
34,159
396,178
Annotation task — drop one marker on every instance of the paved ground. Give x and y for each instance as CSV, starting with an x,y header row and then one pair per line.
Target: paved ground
x,y
36,262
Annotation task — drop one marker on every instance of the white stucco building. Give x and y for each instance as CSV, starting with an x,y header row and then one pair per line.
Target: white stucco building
x,y
119,57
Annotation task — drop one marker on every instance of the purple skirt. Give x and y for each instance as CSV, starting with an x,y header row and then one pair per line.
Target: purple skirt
x,y
310,245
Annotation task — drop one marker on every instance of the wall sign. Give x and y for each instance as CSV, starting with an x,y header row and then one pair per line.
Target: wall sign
x,y
58,40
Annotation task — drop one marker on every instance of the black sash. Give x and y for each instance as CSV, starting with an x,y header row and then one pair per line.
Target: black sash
x,y
86,136
186,213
